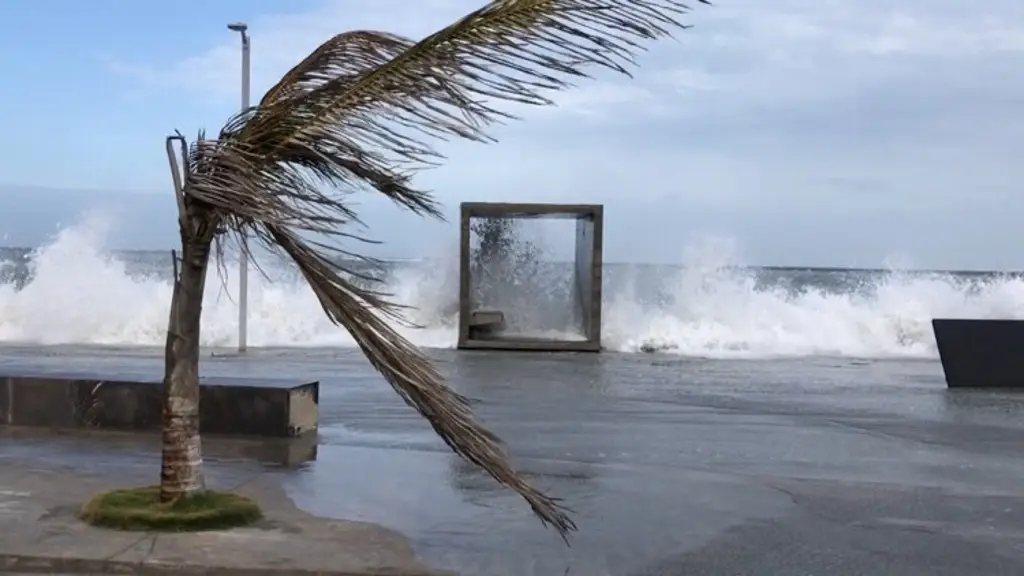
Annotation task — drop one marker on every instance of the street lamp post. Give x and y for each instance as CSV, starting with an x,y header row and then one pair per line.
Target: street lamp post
x,y
243,257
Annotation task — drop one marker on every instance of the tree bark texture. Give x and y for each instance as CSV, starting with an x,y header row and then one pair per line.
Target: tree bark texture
x,y
181,468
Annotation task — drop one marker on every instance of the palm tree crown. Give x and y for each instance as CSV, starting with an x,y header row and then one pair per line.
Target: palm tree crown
x,y
362,113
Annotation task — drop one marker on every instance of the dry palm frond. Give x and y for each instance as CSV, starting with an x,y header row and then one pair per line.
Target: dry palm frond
x,y
360,113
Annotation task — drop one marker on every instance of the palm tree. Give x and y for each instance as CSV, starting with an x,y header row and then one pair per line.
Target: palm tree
x,y
359,113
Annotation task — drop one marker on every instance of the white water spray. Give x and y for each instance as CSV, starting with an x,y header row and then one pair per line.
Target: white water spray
x,y
79,293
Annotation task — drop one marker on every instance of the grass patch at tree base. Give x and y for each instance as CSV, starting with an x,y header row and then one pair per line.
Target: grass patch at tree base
x,y
140,509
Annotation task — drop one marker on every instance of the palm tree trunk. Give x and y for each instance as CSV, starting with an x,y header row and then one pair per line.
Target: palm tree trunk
x,y
181,466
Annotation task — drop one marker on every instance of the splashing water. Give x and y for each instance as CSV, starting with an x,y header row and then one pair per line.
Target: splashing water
x,y
74,291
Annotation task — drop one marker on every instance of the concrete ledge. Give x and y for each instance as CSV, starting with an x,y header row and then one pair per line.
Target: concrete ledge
x,y
513,344
487,318
486,324
22,564
235,406
979,353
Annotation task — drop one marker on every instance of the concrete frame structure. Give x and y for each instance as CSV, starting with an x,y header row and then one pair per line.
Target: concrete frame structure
x,y
587,271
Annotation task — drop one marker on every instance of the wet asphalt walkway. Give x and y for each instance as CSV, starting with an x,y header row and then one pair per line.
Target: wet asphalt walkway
x,y
673,467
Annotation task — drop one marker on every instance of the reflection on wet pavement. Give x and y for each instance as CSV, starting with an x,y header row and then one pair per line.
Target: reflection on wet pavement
x,y
662,459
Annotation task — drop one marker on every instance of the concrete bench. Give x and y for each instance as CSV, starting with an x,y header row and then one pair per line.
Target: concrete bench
x,y
484,323
235,406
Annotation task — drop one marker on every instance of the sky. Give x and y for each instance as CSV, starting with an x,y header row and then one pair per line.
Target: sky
x,y
833,132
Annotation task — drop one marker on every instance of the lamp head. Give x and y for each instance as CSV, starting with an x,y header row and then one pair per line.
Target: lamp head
x,y
238,27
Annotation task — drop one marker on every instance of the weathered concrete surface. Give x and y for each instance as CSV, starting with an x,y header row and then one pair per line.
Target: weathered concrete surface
x,y
41,534
277,408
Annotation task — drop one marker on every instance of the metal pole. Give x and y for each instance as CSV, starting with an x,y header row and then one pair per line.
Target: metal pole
x,y
243,258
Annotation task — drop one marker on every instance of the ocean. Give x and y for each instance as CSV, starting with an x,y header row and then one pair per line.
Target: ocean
x,y
74,291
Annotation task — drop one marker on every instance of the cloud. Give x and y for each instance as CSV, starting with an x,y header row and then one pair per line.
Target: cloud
x,y
793,109
742,58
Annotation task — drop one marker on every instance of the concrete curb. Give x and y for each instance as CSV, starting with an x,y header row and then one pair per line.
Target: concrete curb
x,y
23,564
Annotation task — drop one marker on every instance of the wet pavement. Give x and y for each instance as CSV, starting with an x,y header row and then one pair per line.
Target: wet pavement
x,y
672,466
39,507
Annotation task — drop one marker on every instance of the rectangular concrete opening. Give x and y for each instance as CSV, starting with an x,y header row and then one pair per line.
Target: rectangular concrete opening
x,y
530,276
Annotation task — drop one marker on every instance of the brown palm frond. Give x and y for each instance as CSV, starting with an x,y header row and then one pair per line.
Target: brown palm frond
x,y
452,82
346,54
362,112
407,370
